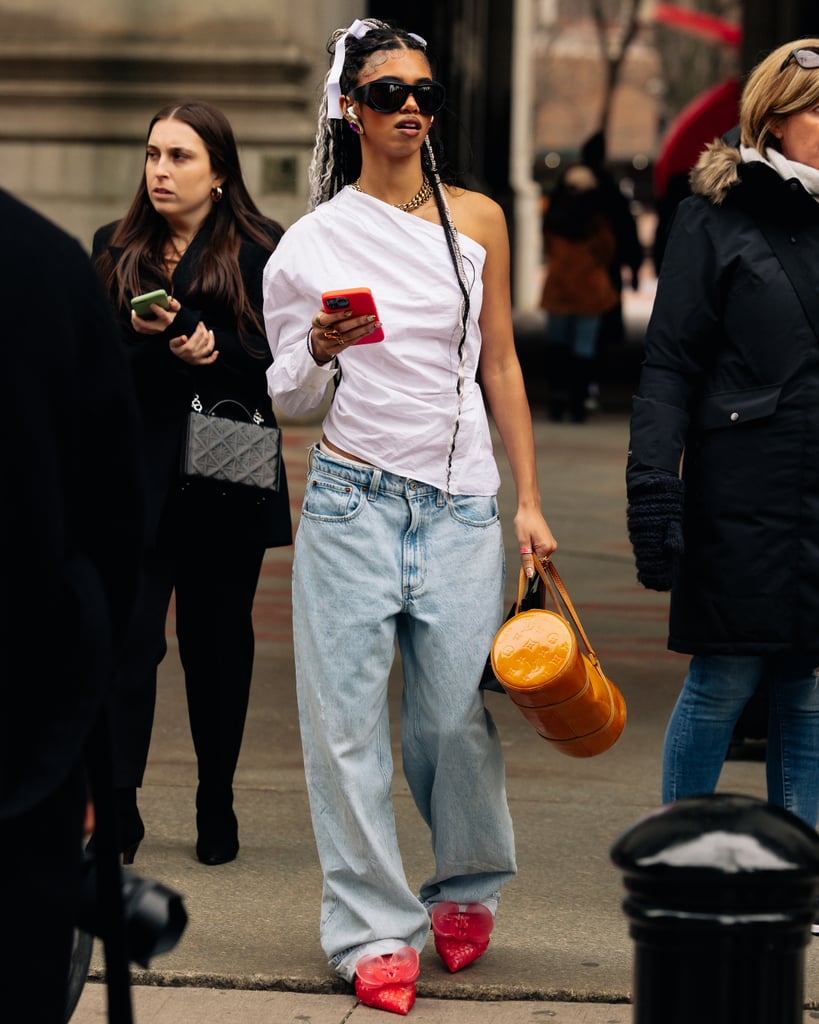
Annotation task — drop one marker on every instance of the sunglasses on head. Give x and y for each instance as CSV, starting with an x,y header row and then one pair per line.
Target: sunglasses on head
x,y
388,95
805,57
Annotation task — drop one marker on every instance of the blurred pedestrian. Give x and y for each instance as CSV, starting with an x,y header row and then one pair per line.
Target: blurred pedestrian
x,y
399,538
579,247
629,253
72,529
722,485
193,230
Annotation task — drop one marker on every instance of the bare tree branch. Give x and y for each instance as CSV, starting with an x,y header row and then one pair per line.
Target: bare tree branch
x,y
613,58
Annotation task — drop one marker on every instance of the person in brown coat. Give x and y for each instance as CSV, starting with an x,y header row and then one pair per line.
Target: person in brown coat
x,y
579,246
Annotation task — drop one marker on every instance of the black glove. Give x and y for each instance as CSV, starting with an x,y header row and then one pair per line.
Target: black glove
x,y
654,516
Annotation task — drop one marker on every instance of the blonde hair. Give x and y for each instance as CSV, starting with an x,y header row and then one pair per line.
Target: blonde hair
x,y
771,95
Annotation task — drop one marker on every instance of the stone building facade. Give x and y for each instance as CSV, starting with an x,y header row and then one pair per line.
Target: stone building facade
x,y
80,82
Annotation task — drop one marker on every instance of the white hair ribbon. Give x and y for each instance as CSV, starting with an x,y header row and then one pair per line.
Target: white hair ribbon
x,y
333,91
358,29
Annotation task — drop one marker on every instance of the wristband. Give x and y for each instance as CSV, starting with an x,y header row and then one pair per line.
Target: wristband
x,y
318,362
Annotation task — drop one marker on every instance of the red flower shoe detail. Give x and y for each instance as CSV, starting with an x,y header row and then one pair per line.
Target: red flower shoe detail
x,y
387,981
461,935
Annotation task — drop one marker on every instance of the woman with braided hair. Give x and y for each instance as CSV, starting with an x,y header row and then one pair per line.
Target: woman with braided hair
x,y
399,537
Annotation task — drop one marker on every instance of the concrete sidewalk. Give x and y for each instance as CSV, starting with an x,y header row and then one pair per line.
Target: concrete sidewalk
x,y
561,948
154,1005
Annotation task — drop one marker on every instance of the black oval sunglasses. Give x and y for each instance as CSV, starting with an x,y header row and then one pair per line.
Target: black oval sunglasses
x,y
388,95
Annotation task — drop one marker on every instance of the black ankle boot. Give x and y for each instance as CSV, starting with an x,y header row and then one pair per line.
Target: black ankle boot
x,y
216,825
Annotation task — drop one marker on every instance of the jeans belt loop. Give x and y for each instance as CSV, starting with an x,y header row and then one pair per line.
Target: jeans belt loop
x,y
375,483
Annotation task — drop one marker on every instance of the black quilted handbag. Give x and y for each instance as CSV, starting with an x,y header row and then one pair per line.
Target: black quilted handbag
x,y
236,451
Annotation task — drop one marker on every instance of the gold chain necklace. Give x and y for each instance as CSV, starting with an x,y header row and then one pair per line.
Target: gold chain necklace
x,y
420,197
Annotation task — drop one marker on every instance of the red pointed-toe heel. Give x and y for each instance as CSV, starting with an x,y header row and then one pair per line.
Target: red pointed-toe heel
x,y
387,981
461,932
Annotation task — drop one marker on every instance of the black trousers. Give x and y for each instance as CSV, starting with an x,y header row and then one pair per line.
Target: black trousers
x,y
569,377
39,893
214,572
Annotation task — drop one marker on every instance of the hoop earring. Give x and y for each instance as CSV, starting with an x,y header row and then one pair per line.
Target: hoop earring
x,y
355,123
216,194
431,120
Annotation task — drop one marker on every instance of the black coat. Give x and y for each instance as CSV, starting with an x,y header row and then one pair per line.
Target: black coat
x,y
72,509
730,383
166,386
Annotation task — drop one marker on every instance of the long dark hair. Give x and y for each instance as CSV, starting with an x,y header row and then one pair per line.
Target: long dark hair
x,y
143,233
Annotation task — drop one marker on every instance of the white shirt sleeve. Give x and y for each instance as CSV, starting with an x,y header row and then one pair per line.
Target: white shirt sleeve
x,y
295,382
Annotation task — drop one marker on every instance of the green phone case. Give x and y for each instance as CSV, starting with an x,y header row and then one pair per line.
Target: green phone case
x,y
141,304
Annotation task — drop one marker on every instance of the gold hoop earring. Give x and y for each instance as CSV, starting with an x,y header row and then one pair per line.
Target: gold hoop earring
x,y
354,122
216,193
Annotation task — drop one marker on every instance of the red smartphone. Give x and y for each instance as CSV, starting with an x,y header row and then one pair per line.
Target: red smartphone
x,y
360,302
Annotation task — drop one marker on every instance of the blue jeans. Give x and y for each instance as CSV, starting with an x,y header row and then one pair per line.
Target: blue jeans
x,y
578,333
381,559
715,691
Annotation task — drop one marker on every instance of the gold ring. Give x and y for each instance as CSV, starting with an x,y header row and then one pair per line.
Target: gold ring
x,y
331,334
317,320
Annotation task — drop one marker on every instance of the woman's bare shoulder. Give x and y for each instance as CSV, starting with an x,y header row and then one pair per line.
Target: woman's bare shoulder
x,y
464,198
476,215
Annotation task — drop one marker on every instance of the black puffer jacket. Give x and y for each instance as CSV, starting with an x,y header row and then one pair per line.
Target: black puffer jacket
x,y
730,385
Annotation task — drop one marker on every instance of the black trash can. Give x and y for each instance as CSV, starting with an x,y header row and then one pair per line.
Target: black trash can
x,y
720,897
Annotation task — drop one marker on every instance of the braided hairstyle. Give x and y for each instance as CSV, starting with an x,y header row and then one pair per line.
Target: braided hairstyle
x,y
336,161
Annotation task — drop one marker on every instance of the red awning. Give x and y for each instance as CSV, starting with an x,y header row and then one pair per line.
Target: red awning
x,y
706,117
698,23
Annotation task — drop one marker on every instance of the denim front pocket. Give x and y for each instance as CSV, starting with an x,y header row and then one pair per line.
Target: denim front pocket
x,y
329,499
473,509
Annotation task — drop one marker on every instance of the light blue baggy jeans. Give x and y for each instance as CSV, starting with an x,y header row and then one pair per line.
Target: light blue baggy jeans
x,y
716,689
378,559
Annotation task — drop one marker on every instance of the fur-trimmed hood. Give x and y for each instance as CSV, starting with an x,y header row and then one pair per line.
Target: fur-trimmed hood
x,y
716,172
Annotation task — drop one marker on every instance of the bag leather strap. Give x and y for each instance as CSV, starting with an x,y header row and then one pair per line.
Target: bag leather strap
x,y
555,585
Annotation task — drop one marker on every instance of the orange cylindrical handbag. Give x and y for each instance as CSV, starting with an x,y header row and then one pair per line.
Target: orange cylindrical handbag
x,y
562,691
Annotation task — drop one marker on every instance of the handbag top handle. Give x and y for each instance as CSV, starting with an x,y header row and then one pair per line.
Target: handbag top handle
x,y
196,405
555,585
